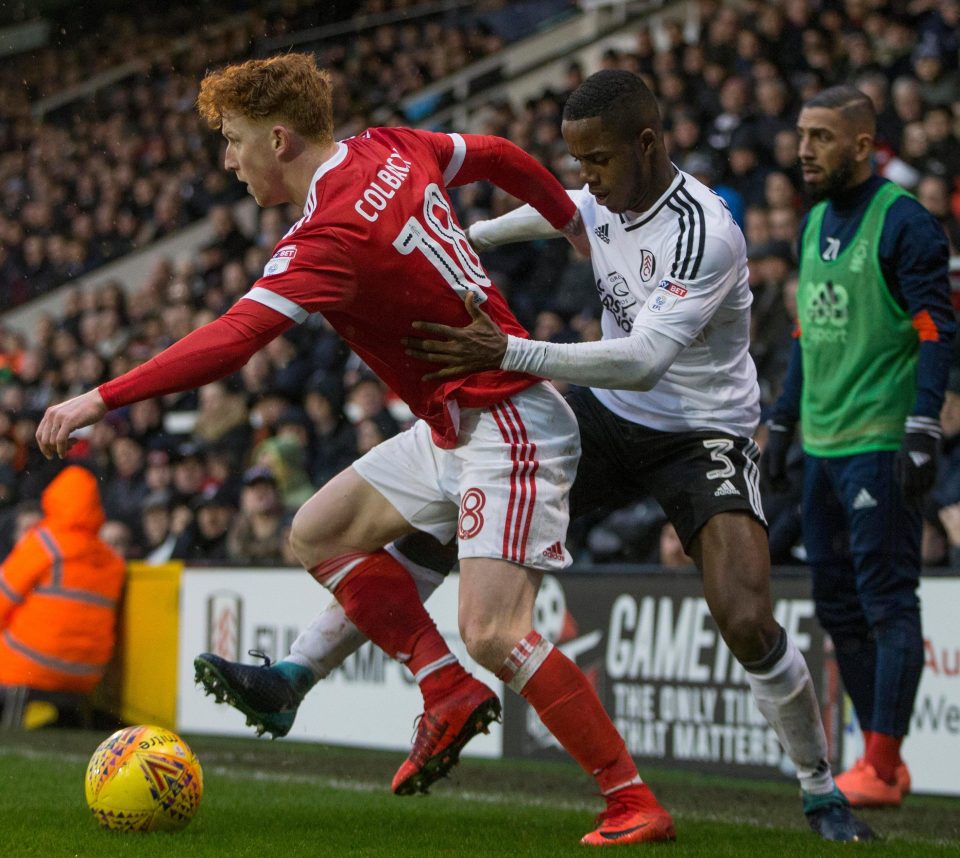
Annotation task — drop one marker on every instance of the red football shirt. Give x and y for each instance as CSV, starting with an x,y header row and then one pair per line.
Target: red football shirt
x,y
378,247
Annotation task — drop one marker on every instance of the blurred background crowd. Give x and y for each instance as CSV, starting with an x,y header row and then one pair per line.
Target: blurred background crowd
x,y
215,475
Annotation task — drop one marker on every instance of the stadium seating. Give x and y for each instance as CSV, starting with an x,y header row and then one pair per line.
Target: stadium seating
x,y
130,163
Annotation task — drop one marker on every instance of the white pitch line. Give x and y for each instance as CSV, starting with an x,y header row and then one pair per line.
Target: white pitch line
x,y
244,774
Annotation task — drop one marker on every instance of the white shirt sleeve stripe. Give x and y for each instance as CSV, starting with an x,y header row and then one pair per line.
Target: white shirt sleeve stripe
x,y
282,305
456,159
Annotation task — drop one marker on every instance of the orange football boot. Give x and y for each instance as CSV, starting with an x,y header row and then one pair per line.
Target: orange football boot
x,y
863,787
442,732
633,815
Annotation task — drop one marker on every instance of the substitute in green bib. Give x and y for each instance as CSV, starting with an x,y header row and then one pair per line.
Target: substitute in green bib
x,y
865,383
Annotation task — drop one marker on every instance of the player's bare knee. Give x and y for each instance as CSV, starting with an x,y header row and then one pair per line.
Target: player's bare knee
x,y
307,541
486,644
745,626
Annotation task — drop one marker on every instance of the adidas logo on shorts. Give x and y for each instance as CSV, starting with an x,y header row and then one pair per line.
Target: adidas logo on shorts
x,y
726,488
554,552
603,233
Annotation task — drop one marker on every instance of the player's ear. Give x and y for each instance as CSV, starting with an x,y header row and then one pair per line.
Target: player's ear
x,y
864,146
646,141
286,142
283,142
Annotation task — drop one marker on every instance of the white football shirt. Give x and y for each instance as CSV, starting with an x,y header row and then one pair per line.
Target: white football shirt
x,y
675,274
680,269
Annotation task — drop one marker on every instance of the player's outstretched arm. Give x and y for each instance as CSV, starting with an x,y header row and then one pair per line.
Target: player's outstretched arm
x,y
526,224
497,160
628,363
209,353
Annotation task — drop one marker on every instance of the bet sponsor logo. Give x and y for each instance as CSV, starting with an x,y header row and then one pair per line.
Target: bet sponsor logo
x,y
673,288
280,261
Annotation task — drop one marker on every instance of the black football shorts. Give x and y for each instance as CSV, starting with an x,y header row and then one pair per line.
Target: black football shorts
x,y
693,475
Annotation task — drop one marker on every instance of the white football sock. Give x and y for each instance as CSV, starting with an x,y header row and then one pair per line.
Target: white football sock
x,y
785,695
331,637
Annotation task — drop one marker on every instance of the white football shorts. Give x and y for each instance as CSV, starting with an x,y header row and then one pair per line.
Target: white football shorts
x,y
503,491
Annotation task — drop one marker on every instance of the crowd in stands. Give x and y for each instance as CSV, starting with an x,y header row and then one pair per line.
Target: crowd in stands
x,y
116,169
215,475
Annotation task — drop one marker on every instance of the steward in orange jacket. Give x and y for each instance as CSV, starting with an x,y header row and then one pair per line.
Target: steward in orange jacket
x,y
59,589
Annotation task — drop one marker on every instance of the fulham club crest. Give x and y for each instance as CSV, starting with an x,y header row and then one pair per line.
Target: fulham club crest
x,y
648,264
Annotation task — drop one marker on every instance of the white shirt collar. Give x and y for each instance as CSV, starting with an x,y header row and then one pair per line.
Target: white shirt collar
x,y
630,216
331,163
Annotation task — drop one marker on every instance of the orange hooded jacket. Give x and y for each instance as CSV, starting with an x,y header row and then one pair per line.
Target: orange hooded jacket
x,y
59,589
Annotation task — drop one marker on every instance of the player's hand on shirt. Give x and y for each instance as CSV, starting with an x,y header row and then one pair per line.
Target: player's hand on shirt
x,y
53,433
479,346
773,462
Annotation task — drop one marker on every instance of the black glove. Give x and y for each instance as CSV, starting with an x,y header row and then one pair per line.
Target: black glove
x,y
773,462
916,461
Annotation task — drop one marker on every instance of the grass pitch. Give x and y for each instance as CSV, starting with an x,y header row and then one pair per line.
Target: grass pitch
x,y
287,799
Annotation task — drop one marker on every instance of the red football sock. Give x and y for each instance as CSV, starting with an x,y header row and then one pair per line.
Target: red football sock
x,y
569,707
883,753
867,739
381,599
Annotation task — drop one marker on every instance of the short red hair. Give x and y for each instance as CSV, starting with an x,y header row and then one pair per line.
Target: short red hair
x,y
289,88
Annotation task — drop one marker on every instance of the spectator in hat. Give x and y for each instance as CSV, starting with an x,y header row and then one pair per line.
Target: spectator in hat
x,y
747,173
189,472
295,423
255,537
938,86
157,537
703,168
158,472
205,539
286,458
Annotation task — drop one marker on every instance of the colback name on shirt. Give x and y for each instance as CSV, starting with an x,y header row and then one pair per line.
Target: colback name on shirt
x,y
378,194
